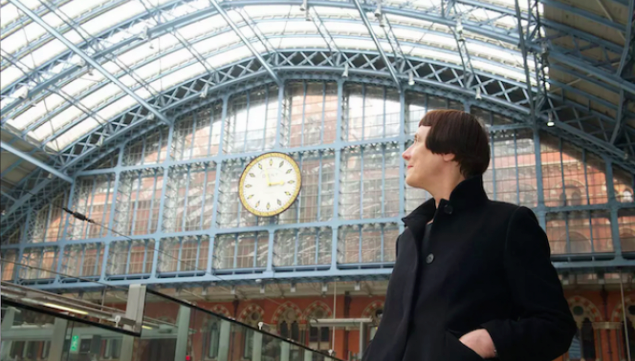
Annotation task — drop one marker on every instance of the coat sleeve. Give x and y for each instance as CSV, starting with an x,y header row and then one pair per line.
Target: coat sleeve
x,y
545,326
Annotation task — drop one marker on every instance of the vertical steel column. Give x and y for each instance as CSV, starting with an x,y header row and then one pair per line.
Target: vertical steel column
x,y
256,354
540,209
203,196
154,192
614,216
136,203
159,230
182,332
516,164
304,86
90,208
215,210
57,339
185,198
586,177
111,220
63,241
336,183
402,163
194,123
493,147
224,340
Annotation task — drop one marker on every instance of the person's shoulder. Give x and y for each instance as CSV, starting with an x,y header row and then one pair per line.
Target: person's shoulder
x,y
502,206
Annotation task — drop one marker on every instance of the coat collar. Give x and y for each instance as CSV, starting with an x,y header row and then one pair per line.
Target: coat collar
x,y
467,194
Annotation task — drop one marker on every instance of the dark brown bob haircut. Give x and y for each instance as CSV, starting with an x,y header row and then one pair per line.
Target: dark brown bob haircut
x,y
459,133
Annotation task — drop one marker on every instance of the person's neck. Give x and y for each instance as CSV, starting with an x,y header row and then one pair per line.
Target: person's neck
x,y
444,187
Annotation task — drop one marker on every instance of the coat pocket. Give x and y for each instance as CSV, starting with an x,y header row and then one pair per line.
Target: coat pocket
x,y
455,350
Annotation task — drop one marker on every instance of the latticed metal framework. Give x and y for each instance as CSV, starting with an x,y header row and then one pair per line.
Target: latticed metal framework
x,y
148,119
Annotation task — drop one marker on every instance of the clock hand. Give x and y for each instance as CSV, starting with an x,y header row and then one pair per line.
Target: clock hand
x,y
268,180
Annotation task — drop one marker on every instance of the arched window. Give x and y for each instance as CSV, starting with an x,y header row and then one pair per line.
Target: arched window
x,y
319,338
583,344
579,243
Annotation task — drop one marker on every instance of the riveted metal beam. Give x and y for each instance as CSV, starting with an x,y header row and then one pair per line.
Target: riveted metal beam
x,y
88,59
391,68
246,41
35,161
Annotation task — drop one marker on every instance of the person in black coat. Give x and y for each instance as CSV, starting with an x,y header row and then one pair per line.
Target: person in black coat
x,y
473,279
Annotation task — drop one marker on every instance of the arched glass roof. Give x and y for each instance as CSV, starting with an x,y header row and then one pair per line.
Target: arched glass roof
x,y
75,75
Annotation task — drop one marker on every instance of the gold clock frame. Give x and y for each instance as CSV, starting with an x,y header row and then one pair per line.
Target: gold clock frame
x,y
250,165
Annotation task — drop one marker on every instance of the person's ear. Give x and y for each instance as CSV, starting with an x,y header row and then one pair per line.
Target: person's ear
x,y
448,157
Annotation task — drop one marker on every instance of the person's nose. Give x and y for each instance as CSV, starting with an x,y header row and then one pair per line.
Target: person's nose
x,y
406,155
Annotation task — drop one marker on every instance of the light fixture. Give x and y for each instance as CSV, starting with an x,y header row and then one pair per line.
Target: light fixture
x,y
358,286
293,288
550,122
382,22
411,79
478,95
378,10
151,46
204,91
232,290
459,26
305,5
146,327
325,287
307,15
262,289
151,116
345,73
63,308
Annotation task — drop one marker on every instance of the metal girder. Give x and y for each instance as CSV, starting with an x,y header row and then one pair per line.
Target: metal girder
x,y
523,48
319,24
483,28
88,59
35,162
369,27
629,39
449,11
247,43
298,64
98,86
585,14
621,109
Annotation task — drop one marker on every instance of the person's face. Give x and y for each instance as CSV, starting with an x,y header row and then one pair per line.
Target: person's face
x,y
423,165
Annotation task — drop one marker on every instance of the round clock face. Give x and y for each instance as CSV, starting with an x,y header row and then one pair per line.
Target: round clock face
x,y
270,184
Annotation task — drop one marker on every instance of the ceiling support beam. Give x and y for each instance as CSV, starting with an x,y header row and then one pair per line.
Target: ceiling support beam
x,y
246,41
621,108
88,59
391,69
35,162
628,42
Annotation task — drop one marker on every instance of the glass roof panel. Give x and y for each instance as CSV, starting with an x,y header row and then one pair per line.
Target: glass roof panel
x,y
116,107
72,134
159,60
60,120
8,14
178,76
229,56
9,75
114,16
36,112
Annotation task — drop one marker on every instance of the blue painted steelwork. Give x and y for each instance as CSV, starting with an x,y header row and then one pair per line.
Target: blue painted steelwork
x,y
371,32
88,59
36,162
253,50
337,269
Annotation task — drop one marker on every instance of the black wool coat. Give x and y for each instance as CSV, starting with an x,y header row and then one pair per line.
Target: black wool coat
x,y
486,266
